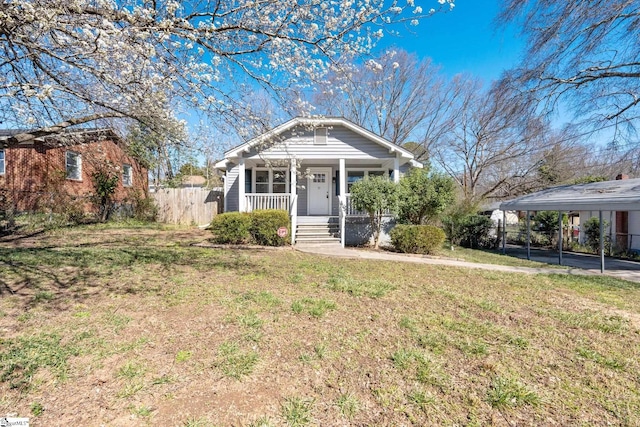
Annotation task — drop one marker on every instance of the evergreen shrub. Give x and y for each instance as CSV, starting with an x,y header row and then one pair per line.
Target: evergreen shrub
x,y
265,224
417,239
231,227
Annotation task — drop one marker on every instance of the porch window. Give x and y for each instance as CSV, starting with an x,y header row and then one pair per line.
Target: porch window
x,y
271,181
354,176
74,165
1,162
262,182
279,182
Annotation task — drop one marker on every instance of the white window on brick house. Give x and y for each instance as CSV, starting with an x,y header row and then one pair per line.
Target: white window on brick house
x,y
74,165
127,175
1,162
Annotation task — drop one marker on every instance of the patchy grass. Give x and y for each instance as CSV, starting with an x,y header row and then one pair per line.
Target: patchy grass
x,y
297,411
234,362
21,358
187,335
510,393
313,306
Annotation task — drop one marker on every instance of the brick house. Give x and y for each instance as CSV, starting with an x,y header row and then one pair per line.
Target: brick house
x,y
55,172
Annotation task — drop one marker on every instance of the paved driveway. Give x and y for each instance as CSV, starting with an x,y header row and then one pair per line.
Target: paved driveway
x,y
629,270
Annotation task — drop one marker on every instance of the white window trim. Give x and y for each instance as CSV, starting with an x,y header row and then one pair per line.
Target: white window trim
x,y
126,166
66,160
366,174
3,161
316,136
270,170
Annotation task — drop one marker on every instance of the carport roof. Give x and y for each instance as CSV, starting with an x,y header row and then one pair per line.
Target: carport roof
x,y
620,195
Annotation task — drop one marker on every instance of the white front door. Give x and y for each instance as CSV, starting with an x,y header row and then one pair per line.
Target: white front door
x,y
319,191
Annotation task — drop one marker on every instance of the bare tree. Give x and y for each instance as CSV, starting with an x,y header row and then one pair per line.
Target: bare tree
x,y
395,95
495,143
70,62
584,53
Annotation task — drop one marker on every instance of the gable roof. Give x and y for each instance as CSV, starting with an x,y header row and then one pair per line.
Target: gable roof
x,y
319,122
620,195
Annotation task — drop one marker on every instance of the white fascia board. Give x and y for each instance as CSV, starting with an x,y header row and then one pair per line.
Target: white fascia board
x,y
221,165
572,206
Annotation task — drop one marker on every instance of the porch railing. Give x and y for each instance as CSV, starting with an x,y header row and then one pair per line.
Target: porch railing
x,y
257,201
351,211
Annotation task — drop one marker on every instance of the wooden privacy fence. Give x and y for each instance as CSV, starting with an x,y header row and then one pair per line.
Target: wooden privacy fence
x,y
187,205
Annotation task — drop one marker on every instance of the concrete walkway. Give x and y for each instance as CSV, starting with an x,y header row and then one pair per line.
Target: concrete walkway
x,y
575,264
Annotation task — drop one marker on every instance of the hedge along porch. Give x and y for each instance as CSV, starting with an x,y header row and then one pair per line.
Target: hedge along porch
x,y
307,167
603,199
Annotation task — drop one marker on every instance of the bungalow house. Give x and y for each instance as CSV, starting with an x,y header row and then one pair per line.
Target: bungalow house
x,y
55,171
307,167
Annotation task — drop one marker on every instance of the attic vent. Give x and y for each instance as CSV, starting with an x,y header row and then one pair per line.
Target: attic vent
x,y
320,136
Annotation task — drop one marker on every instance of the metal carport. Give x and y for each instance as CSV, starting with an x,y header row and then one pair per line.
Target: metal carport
x,y
619,195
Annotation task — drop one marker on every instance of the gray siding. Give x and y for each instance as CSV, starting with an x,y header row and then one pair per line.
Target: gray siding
x,y
341,143
233,193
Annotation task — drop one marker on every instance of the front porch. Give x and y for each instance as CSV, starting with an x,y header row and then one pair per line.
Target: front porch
x,y
311,228
317,188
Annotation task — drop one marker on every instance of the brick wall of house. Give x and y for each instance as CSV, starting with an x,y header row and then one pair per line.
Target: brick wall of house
x,y
35,176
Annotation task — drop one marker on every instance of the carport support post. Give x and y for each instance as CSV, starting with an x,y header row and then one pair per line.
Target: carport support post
x,y
601,243
528,237
504,232
560,237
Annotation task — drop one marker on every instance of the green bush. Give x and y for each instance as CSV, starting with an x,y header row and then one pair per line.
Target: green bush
x,y
265,224
144,207
424,196
591,228
469,230
417,239
231,227
375,195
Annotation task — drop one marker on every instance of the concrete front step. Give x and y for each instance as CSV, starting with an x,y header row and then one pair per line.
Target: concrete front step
x,y
318,219
309,239
318,230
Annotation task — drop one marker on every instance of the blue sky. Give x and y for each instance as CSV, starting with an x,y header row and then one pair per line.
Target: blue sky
x,y
464,40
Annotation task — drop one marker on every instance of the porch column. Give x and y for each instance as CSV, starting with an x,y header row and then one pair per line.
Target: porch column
x,y
504,232
601,244
560,237
294,199
226,190
528,237
343,201
241,185
396,169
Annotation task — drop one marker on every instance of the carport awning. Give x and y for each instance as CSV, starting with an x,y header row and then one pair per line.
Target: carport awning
x,y
621,195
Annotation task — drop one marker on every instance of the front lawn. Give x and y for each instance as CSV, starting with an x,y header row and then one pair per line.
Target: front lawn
x,y
142,326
